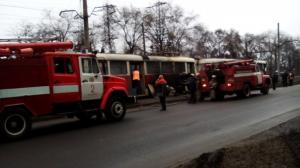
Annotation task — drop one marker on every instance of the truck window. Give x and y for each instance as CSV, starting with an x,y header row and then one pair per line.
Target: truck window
x,y
103,67
63,66
89,65
118,67
153,67
179,67
167,67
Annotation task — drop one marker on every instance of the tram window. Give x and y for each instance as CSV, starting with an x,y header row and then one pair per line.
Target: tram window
x,y
103,67
153,68
167,67
118,67
179,67
190,68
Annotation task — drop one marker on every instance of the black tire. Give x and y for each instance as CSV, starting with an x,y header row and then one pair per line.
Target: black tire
x,y
201,96
213,94
115,110
85,118
246,92
15,124
220,96
265,90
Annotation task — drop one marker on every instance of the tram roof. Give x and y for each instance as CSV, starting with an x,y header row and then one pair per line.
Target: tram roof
x,y
131,57
214,60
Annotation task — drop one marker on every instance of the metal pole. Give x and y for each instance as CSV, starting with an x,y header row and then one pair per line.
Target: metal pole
x,y
144,42
86,26
278,48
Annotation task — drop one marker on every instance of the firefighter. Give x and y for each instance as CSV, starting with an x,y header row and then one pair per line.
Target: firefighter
x,y
291,78
274,79
192,85
161,91
136,80
284,78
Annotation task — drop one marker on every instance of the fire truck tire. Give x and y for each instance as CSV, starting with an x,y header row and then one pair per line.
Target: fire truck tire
x,y
85,118
265,90
15,124
246,92
200,96
116,109
220,96
213,94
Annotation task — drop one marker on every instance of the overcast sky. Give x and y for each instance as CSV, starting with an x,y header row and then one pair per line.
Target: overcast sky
x,y
245,16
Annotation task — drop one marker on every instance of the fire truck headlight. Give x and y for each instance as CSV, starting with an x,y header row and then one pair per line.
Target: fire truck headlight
x,y
204,85
229,84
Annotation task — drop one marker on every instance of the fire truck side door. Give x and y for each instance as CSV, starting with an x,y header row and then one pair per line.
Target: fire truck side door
x,y
259,75
65,83
91,79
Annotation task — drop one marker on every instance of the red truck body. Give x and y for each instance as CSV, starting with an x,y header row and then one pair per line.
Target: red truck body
x,y
40,79
233,77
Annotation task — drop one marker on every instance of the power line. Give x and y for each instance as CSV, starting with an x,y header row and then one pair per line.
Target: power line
x,y
21,7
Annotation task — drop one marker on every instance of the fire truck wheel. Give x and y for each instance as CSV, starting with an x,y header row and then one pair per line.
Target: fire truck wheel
x,y
85,118
201,96
265,90
15,124
213,94
220,96
246,91
116,109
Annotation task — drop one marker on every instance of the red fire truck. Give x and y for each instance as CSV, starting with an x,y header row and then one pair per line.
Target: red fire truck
x,y
232,76
39,79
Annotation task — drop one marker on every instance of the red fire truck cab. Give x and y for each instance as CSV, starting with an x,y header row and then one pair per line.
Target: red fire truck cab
x,y
232,76
39,79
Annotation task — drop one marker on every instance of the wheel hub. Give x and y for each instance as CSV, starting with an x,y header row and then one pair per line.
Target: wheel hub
x,y
15,124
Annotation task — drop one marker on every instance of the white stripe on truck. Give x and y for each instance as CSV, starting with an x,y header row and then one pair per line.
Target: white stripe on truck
x,y
65,89
28,91
38,90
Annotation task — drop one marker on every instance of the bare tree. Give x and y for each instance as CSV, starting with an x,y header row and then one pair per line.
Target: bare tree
x,y
203,42
48,28
233,44
108,27
167,28
130,21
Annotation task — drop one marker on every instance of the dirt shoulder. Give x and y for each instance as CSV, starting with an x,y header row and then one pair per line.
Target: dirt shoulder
x,y
277,147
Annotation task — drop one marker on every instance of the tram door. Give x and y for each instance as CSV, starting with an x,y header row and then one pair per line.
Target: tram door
x,y
140,67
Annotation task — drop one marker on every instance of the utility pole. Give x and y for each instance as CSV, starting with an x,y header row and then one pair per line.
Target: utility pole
x,y
144,41
85,17
278,49
86,26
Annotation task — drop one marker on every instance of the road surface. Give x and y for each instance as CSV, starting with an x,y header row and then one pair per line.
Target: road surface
x,y
150,138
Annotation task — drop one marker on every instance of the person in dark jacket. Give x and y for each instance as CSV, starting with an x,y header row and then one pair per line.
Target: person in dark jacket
x,y
192,86
161,91
274,79
284,77
291,77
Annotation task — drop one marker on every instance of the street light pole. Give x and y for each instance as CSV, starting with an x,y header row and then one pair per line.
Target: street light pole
x,y
86,26
278,49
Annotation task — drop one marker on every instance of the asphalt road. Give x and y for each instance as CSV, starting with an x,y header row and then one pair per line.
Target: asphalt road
x,y
149,137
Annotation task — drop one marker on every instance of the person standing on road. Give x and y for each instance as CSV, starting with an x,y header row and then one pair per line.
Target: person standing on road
x,y
161,90
192,85
136,80
274,79
291,78
285,78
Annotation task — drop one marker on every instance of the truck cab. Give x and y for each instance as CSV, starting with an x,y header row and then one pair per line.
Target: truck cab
x,y
39,79
234,77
